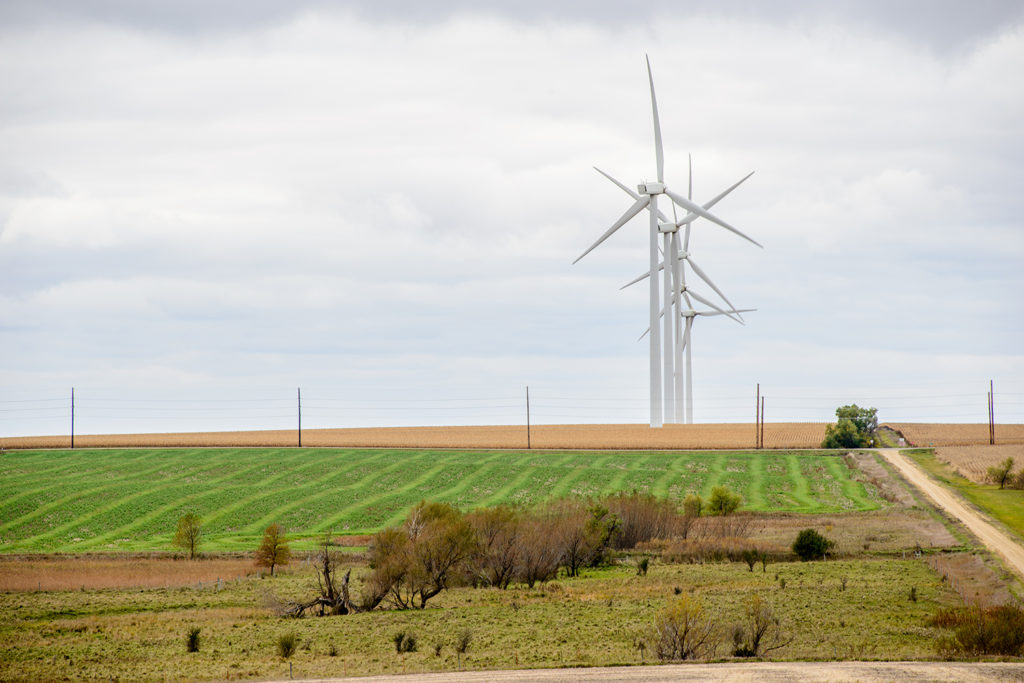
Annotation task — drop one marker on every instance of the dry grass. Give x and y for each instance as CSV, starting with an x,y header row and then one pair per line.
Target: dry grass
x,y
856,532
972,462
972,577
926,434
61,573
613,436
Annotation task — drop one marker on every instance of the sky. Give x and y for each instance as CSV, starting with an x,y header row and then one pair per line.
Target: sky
x,y
205,206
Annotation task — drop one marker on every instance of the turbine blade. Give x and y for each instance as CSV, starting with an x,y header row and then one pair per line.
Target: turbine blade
x,y
700,211
657,125
738,310
637,207
641,278
703,276
689,162
631,193
708,303
725,193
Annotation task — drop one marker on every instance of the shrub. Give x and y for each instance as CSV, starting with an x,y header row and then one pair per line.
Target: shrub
x,y
843,434
192,640
1000,474
684,631
462,644
723,501
404,642
761,632
992,631
642,565
810,545
287,644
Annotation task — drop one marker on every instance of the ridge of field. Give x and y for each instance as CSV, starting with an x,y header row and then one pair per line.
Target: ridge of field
x,y
131,499
587,436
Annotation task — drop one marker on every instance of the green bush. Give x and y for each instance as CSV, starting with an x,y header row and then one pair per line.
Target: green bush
x,y
192,640
404,642
287,644
810,545
723,501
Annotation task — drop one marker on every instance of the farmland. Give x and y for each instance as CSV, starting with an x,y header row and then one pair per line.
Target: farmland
x,y
847,609
928,434
130,499
589,436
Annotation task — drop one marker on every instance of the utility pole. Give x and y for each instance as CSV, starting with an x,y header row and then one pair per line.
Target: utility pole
x,y
991,413
762,422
757,417
528,417
298,392
72,417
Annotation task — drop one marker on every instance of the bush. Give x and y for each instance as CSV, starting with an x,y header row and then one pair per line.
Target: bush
x,y
810,545
992,631
287,644
404,642
192,640
723,501
843,434
1000,474
684,631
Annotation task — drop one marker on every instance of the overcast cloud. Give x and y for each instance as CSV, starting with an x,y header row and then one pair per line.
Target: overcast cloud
x,y
381,203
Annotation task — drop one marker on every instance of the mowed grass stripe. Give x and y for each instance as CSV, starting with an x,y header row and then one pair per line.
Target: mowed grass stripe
x,y
238,492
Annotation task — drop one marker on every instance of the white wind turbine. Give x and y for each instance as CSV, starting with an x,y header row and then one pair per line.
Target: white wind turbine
x,y
647,197
673,369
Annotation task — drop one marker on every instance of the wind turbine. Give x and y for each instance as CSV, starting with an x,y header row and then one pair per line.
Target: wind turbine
x,y
647,198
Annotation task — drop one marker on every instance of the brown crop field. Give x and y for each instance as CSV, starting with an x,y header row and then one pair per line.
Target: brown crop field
x,y
83,572
972,462
926,434
596,436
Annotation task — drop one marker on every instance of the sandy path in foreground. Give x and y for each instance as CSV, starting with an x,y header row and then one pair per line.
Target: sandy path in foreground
x,y
997,541
758,671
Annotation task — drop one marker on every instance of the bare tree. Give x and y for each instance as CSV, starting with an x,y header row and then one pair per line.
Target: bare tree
x,y
274,550
684,631
497,531
189,534
761,632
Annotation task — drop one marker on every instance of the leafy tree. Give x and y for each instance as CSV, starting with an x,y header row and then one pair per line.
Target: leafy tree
x,y
843,434
854,428
274,550
810,545
865,419
1000,474
189,534
723,501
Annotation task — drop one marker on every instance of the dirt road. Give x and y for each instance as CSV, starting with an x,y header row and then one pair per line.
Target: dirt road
x,y
996,540
774,672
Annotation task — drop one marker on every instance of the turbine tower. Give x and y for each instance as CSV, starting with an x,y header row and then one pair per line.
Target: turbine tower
x,y
646,198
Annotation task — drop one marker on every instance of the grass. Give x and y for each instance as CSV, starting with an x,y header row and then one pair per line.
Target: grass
x,y
131,499
592,621
1005,505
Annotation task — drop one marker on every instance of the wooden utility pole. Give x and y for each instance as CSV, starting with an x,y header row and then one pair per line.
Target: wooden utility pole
x,y
991,413
757,417
528,417
762,422
72,417
298,392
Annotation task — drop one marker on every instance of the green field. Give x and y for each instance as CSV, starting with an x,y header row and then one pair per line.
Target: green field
x,y
853,609
131,499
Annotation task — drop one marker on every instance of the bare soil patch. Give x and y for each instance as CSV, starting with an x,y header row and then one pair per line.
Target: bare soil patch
x,y
62,573
927,434
972,462
596,436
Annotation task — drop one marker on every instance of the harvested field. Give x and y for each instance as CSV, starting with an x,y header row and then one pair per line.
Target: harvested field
x,y
926,434
972,462
75,572
610,436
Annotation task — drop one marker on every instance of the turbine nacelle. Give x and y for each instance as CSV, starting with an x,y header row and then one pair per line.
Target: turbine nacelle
x,y
651,188
667,227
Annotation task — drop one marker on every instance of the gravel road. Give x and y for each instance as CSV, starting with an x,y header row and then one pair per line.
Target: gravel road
x,y
996,540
